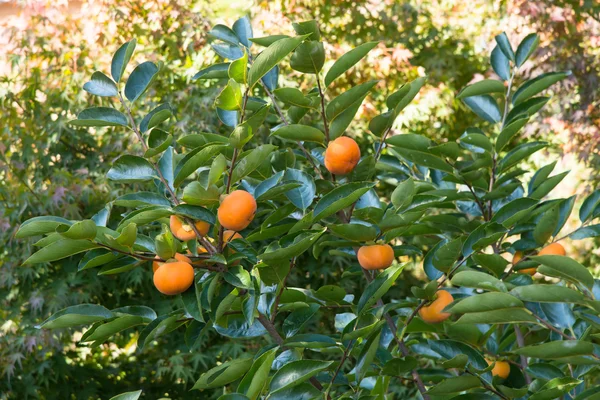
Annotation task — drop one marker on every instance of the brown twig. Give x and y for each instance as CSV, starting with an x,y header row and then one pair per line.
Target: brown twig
x,y
323,115
521,343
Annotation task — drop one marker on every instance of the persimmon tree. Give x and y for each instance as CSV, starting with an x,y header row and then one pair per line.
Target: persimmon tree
x,y
225,218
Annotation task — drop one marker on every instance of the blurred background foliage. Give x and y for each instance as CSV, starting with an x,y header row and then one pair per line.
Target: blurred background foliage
x,y
49,48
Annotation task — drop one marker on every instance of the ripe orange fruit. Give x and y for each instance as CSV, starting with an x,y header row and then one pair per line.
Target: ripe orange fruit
x,y
433,312
516,258
554,249
342,155
237,210
175,277
183,231
377,256
228,236
501,369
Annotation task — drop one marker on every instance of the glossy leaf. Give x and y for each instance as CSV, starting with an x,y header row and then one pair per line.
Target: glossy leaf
x,y
271,56
128,169
121,59
485,86
140,79
82,314
298,132
296,372
378,287
339,198
537,85
101,85
100,116
347,61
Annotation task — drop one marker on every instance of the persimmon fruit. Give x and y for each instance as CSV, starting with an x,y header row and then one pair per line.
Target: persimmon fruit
x,y
501,369
553,249
175,277
516,258
237,210
377,256
433,312
184,231
342,155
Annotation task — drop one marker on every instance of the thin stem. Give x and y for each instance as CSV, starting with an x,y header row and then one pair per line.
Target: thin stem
x,y
521,343
380,148
553,329
325,124
488,387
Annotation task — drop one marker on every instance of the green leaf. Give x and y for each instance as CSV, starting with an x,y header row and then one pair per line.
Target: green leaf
x,y
140,79
223,374
399,366
96,258
243,30
238,69
483,236
101,85
502,316
230,98
85,229
266,41
82,314
310,28
519,153
425,159
128,169
252,161
302,197
547,294
378,287
546,225
528,107
537,85
589,205
586,232
195,159
557,349
485,302
342,102
100,116
367,355
509,132
514,211
60,249
121,59
196,194
485,86
104,331
455,385
354,232
256,378
505,46
403,194
293,96
339,198
128,396
155,117
295,373
310,341
479,280
347,61
300,133
215,71
298,318
224,33
40,225
290,246
145,215
555,388
500,63
272,56
493,262
484,106
308,57
401,98
526,48
119,266
566,268
158,141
